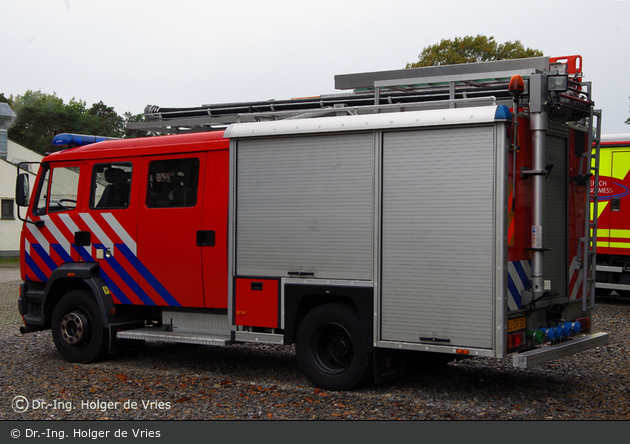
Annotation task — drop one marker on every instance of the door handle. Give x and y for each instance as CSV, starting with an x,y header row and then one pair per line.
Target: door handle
x,y
82,238
615,204
206,238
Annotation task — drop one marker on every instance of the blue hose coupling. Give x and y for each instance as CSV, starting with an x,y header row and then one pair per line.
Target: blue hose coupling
x,y
576,327
550,333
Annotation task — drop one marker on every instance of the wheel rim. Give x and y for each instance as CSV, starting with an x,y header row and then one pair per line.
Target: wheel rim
x,y
75,328
332,349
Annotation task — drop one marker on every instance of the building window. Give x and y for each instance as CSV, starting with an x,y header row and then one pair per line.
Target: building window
x,y
7,209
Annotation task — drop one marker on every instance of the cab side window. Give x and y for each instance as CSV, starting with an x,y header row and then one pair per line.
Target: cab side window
x,y
59,190
173,183
111,186
42,193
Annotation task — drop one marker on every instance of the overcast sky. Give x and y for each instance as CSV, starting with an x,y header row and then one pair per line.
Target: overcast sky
x,y
180,53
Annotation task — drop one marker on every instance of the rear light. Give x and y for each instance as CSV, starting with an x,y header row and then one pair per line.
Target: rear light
x,y
516,339
585,323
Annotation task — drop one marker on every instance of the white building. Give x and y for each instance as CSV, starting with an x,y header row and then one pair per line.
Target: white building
x,y
10,225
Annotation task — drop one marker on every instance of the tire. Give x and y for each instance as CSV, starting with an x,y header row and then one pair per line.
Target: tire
x,y
328,348
77,328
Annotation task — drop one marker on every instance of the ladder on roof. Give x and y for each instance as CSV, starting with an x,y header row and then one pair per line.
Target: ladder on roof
x,y
447,86
463,79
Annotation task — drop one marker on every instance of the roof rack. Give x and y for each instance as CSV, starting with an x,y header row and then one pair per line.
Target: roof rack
x,y
384,91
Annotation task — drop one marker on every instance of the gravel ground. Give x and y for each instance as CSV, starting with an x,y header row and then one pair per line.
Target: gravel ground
x,y
166,381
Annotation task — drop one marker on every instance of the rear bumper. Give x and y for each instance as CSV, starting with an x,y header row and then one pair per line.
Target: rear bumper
x,y
551,352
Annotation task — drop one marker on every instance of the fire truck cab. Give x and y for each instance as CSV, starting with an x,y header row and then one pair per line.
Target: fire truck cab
x,y
405,216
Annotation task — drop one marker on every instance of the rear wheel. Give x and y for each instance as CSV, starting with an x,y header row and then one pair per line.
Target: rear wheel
x,y
329,350
77,328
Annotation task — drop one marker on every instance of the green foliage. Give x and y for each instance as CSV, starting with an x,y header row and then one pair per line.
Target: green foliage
x,y
9,260
41,116
8,100
135,118
102,120
471,49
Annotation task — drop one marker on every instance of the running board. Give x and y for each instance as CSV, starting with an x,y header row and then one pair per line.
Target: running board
x,y
157,335
551,352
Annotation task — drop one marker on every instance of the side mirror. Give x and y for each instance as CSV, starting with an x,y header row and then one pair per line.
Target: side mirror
x,y
22,190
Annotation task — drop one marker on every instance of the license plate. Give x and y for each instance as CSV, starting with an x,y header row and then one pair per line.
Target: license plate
x,y
516,324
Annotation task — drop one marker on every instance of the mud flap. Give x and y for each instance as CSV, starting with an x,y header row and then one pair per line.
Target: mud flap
x,y
388,364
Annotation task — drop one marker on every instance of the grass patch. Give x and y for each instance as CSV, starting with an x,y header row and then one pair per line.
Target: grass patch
x,y
9,260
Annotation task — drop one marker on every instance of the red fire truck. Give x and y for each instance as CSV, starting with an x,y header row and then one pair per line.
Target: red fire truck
x,y
405,216
613,220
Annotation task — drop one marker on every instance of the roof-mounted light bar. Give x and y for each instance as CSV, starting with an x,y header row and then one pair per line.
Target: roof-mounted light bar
x,y
72,140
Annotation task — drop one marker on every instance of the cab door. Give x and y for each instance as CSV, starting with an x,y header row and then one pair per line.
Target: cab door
x,y
52,241
212,240
169,218
110,226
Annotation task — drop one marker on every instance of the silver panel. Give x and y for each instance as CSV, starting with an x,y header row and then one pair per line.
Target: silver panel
x,y
231,233
622,287
261,338
305,204
438,265
501,239
472,352
609,269
189,321
154,334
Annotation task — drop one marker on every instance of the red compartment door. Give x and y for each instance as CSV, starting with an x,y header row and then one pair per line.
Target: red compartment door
x,y
256,302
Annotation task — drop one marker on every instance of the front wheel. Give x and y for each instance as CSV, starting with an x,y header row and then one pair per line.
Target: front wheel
x,y
77,328
329,350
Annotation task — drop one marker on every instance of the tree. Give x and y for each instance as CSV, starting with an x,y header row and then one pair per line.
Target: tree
x,y
102,120
136,118
41,116
471,49
8,100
